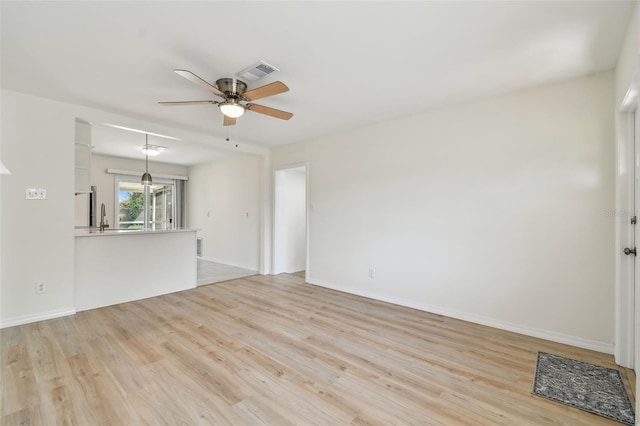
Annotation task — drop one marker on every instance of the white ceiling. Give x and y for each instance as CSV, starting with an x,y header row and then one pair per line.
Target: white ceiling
x,y
128,143
348,64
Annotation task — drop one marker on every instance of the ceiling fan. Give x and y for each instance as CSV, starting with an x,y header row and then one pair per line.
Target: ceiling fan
x,y
236,98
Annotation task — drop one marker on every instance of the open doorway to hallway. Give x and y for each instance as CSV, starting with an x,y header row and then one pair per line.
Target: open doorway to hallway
x,y
290,221
213,272
224,205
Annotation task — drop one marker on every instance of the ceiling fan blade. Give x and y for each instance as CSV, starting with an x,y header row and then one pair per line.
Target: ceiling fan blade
x,y
228,121
188,103
195,79
267,90
284,115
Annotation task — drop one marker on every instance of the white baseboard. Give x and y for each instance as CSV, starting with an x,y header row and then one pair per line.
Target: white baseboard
x,y
490,322
26,319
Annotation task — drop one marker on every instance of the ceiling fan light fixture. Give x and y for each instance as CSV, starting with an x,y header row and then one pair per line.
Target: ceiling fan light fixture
x,y
231,109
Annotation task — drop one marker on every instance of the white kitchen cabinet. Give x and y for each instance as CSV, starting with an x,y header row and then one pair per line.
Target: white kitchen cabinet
x,y
82,157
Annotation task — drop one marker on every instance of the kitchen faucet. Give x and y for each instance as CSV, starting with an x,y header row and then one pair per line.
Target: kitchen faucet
x,y
103,218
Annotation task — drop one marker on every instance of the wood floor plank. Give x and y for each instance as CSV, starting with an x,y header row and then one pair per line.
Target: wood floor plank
x,y
180,403
261,411
26,416
20,390
273,350
104,396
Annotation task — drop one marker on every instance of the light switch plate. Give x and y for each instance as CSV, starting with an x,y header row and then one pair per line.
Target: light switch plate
x,y
35,194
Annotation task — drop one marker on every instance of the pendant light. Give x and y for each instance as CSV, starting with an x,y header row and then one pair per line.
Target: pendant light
x,y
146,177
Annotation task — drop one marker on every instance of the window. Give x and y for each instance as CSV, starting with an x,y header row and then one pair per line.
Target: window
x,y
132,204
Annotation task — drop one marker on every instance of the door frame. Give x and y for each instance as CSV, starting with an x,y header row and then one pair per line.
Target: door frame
x,y
626,278
305,165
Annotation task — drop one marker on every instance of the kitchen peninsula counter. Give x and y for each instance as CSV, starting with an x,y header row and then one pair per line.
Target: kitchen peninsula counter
x,y
95,232
132,265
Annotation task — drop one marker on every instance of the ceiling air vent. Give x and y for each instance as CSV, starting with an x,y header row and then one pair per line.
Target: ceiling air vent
x,y
256,71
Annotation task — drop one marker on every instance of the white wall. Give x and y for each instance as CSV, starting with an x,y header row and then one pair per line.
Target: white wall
x,y
37,236
492,211
626,72
37,242
223,203
290,221
105,182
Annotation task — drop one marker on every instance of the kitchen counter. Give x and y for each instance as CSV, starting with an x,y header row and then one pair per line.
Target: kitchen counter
x,y
136,265
108,232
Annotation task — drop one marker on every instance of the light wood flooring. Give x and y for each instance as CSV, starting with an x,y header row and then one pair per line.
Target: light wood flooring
x,y
273,350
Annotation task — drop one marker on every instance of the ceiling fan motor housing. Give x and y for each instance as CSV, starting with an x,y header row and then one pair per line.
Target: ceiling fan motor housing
x,y
231,86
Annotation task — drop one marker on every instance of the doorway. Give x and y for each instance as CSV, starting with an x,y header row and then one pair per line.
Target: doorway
x,y
290,220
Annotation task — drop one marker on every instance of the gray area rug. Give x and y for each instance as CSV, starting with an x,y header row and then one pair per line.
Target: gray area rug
x,y
598,390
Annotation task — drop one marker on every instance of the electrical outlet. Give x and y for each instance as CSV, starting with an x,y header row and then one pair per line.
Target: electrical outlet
x,y
41,288
372,272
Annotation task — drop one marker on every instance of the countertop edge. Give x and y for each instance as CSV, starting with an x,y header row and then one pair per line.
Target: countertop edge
x,y
120,233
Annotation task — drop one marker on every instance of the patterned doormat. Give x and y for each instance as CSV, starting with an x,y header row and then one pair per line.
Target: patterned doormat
x,y
598,390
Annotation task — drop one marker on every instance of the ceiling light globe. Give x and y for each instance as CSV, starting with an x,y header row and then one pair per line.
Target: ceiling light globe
x,y
231,110
151,151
